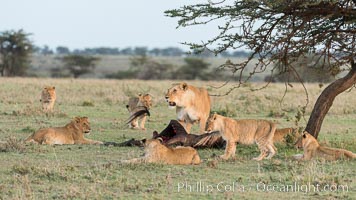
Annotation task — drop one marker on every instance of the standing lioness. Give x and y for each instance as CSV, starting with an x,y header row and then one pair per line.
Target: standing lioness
x,y
156,152
313,149
246,131
192,105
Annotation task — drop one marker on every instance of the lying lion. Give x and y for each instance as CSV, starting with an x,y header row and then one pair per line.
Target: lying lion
x,y
72,133
313,149
156,152
247,131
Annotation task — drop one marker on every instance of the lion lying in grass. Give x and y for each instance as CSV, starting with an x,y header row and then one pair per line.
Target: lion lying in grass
x,y
312,149
72,133
247,131
156,152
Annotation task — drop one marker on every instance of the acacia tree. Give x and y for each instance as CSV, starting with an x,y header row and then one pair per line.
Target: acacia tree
x,y
15,49
78,64
193,68
281,31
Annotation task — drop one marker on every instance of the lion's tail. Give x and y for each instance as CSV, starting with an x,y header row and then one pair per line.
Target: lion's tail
x,y
349,154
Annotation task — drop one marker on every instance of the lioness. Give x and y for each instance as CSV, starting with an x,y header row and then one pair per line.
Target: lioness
x,y
48,97
313,149
156,152
246,131
192,105
136,103
72,133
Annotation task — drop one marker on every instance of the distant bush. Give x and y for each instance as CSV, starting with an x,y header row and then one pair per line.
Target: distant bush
x,y
309,69
79,64
122,74
194,68
88,103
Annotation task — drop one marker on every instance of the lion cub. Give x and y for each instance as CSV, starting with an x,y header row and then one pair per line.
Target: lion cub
x,y
281,133
313,149
246,131
72,133
48,97
156,152
135,104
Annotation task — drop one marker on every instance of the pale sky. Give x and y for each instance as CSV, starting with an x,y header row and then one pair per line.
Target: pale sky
x,y
100,23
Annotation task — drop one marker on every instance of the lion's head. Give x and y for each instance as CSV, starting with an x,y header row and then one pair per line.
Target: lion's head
x,y
145,100
213,123
50,90
81,124
177,95
151,143
302,140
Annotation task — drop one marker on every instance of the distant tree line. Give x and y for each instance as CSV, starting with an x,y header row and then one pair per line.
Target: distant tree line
x,y
147,68
133,51
16,49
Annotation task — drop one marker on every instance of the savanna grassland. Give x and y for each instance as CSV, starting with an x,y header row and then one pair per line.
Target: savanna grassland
x,y
94,171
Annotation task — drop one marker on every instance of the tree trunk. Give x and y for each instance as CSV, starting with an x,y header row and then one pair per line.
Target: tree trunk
x,y
5,72
326,99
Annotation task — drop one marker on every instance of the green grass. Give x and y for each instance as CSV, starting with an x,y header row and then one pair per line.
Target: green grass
x,y
94,172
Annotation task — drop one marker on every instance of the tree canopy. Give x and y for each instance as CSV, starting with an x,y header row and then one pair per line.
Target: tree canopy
x,y
15,49
194,68
282,31
78,64
277,30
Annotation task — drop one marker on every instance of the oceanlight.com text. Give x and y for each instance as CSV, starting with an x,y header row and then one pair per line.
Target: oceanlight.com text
x,y
204,187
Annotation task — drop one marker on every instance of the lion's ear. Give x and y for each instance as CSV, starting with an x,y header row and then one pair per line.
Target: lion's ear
x,y
53,87
184,86
304,135
154,134
160,140
144,141
77,119
214,115
139,94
